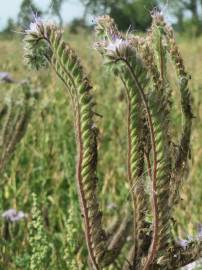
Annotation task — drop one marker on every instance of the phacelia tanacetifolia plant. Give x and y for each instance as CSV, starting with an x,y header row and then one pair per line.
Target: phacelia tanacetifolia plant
x,y
16,107
141,64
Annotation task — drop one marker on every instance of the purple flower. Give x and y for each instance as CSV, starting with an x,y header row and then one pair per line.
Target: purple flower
x,y
199,235
6,77
117,44
12,215
114,36
183,243
34,26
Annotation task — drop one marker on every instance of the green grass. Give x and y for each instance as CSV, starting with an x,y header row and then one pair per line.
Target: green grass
x,y
44,161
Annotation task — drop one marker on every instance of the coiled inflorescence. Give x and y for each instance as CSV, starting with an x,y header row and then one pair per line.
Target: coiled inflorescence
x,y
141,64
45,38
48,40
119,52
183,80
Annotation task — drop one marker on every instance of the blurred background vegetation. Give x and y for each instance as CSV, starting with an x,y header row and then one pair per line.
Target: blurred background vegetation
x,y
44,160
185,15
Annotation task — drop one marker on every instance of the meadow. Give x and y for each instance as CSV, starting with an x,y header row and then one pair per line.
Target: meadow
x,y
44,160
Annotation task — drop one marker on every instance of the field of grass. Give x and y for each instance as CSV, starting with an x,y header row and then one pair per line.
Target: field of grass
x,y
44,161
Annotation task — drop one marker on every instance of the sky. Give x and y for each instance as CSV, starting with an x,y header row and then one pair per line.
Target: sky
x,y
10,9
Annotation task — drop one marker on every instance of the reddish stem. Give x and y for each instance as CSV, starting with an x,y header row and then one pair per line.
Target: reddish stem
x,y
148,165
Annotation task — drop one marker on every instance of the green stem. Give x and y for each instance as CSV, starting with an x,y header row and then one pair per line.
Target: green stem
x,y
153,249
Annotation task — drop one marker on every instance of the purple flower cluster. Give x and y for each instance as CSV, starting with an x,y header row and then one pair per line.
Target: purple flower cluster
x,y
34,26
183,243
12,215
116,44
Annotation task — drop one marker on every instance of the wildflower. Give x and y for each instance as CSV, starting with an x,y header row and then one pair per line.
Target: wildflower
x,y
198,236
117,44
34,26
12,215
36,55
200,232
6,77
183,243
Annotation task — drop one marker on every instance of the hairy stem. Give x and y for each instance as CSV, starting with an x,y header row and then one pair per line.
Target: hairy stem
x,y
153,249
